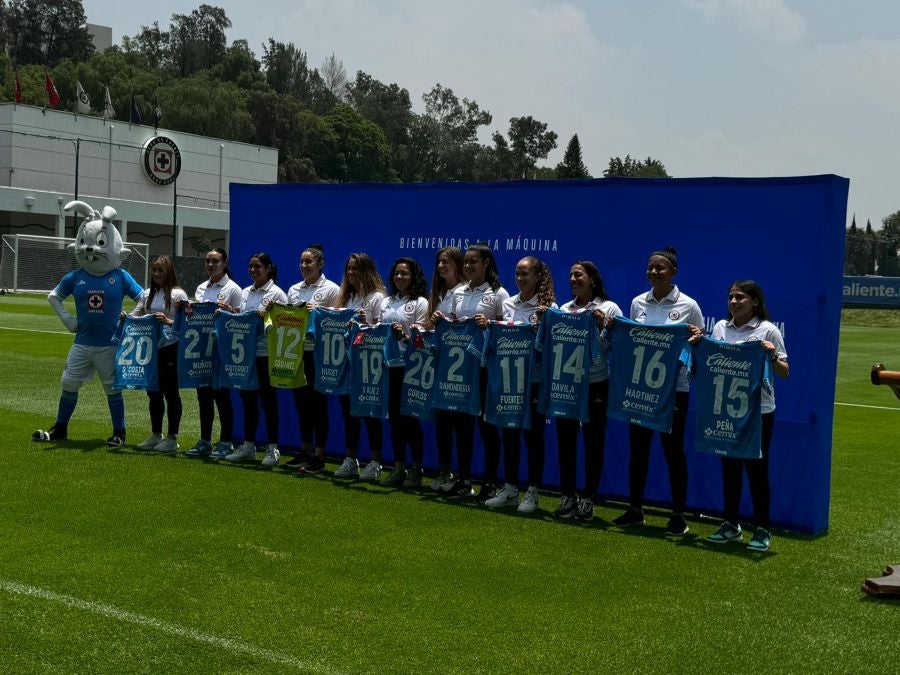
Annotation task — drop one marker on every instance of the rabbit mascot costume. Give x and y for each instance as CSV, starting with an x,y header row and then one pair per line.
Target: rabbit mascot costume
x,y
99,287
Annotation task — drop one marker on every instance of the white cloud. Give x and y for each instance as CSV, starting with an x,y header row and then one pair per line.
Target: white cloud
x,y
769,18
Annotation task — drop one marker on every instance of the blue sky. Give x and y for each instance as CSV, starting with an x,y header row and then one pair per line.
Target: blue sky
x,y
709,87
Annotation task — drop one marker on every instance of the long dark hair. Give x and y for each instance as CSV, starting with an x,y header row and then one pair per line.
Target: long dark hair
x,y
418,287
491,273
755,291
267,262
598,288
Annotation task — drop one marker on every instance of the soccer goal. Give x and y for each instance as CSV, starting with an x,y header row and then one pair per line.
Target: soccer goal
x,y
31,263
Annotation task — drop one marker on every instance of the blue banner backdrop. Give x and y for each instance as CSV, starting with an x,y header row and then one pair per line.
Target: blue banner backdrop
x,y
786,233
872,291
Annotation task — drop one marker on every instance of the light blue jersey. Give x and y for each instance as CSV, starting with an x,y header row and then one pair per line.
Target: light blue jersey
x,y
237,337
418,377
137,365
644,366
373,348
98,302
331,330
508,357
458,346
728,381
195,327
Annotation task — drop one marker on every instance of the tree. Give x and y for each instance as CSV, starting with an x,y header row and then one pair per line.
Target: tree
x,y
572,165
206,106
334,77
530,141
240,67
45,32
632,168
197,40
362,150
889,245
287,72
387,105
151,45
855,256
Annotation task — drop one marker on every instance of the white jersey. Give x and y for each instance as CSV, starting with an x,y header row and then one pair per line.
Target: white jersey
x,y
371,304
445,306
405,312
158,304
467,302
599,370
755,330
676,307
255,298
223,290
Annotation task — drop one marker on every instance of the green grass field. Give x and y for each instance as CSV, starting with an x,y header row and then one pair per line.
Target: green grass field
x,y
119,561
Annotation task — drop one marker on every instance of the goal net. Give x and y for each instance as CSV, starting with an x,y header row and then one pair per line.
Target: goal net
x,y
34,263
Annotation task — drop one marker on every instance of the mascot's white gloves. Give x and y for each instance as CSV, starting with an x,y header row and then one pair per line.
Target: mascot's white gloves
x,y
69,321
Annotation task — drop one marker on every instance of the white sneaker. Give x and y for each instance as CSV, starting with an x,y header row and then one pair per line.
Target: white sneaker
x,y
508,496
168,444
349,468
530,502
245,453
272,455
372,471
151,442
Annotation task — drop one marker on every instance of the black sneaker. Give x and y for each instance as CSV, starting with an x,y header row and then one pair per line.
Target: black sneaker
x,y
313,465
461,489
117,440
301,459
629,518
677,526
585,509
487,491
568,507
58,432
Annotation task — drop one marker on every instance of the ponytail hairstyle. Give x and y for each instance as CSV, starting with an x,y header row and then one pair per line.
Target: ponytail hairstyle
x,y
318,251
267,262
438,287
170,281
669,254
369,280
491,273
221,252
545,293
755,291
597,286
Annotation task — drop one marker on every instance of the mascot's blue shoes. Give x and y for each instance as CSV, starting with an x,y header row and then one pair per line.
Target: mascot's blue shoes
x,y
117,440
58,432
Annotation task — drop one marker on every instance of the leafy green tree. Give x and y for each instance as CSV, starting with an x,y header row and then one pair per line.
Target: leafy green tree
x,y
572,165
45,32
287,72
529,141
197,40
205,106
241,67
150,46
889,245
633,168
854,250
387,105
362,150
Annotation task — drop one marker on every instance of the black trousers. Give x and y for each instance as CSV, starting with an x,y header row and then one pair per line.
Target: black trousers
x,y
265,397
353,429
450,426
593,434
168,395
757,477
312,408
209,400
673,448
535,443
405,430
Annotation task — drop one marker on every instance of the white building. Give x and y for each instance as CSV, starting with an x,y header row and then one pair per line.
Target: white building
x,y
46,156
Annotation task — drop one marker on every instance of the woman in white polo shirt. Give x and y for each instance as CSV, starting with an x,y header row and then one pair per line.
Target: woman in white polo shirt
x,y
748,321
312,406
663,304
222,290
257,296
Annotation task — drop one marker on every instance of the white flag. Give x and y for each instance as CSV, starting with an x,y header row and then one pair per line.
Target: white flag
x,y
108,111
83,105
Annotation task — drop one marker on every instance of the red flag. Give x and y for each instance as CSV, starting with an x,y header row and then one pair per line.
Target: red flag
x,y
52,95
18,89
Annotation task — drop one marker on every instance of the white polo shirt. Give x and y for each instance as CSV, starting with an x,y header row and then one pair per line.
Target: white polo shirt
x,y
755,330
371,304
467,301
599,371
254,298
676,307
158,304
405,312
322,292
224,290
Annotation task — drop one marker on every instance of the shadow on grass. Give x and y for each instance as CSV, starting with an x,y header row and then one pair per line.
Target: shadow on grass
x,y
85,445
